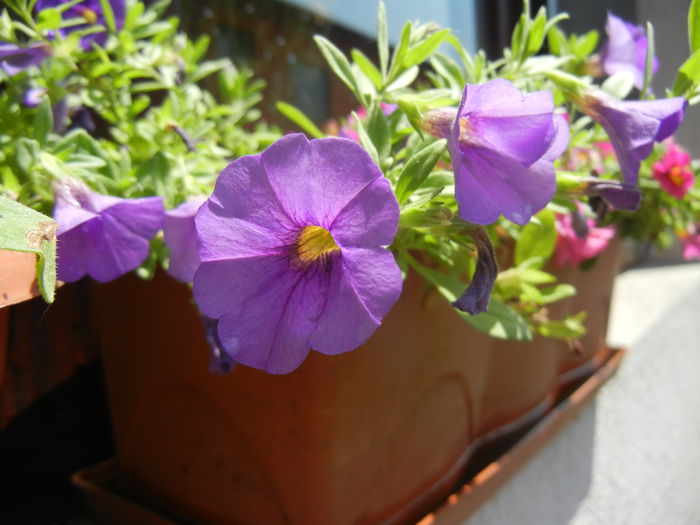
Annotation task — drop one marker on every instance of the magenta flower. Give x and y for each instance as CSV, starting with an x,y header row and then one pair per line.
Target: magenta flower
x,y
181,239
673,172
15,59
503,144
626,50
102,236
634,126
91,11
575,247
690,243
292,252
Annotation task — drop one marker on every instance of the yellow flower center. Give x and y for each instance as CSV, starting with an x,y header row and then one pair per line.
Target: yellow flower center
x,y
676,175
313,243
464,129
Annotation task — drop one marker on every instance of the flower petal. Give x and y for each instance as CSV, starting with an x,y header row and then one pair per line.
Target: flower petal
x,y
180,237
314,181
365,285
368,220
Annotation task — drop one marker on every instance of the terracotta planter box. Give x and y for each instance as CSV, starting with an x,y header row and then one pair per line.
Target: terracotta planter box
x,y
40,345
379,434
594,287
109,498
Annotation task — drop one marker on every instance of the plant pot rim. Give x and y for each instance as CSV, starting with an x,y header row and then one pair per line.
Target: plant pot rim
x,y
17,277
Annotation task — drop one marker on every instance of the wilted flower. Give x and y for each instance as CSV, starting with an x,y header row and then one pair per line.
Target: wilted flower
x,y
15,59
617,194
181,239
476,297
626,50
634,126
673,172
573,248
292,252
99,235
503,143
91,11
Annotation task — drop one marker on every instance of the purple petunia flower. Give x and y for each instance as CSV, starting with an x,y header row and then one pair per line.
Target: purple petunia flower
x,y
91,11
15,59
292,252
634,126
503,144
181,239
626,50
99,235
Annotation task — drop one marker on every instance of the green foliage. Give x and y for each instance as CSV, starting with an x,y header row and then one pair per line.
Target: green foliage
x,y
25,230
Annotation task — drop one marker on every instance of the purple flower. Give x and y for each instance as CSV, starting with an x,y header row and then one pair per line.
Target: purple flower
x,y
15,59
102,236
292,252
91,12
181,239
634,126
626,50
503,144
32,97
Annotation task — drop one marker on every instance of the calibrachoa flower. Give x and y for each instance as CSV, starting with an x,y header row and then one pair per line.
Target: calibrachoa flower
x,y
91,11
99,235
15,59
181,239
503,143
690,243
573,248
673,172
626,50
634,126
292,252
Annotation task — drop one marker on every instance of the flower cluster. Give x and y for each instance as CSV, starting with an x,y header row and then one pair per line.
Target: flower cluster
x,y
294,245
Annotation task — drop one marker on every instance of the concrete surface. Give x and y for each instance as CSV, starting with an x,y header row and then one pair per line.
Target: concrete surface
x,y
632,455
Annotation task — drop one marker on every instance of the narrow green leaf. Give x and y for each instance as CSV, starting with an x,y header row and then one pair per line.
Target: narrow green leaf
x,y
338,63
426,48
400,50
405,79
382,39
366,66
301,120
537,33
109,15
43,121
378,131
694,26
417,168
365,141
25,230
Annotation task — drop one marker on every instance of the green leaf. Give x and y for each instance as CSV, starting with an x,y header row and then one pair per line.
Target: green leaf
x,y
301,120
688,75
426,48
365,141
48,19
43,121
694,26
378,130
339,64
404,79
399,52
25,230
366,66
417,168
570,328
382,39
537,238
557,293
499,321
536,36
109,15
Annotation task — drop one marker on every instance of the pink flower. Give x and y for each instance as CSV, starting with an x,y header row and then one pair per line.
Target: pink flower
x,y
673,172
690,242
573,249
